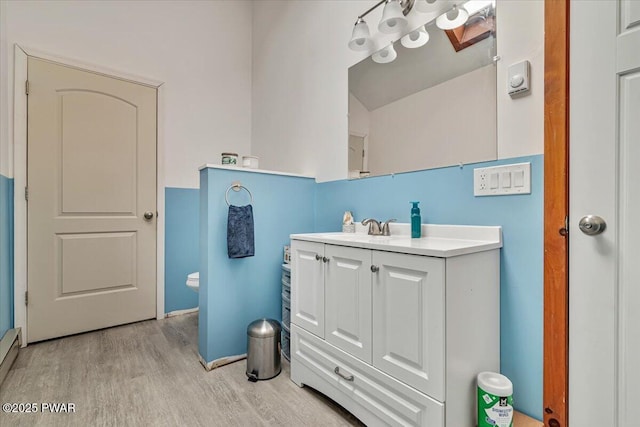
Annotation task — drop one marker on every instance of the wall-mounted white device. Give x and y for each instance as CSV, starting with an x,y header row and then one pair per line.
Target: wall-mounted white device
x,y
518,79
502,180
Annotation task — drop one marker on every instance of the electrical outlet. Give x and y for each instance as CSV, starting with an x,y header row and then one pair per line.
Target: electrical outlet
x,y
502,180
482,184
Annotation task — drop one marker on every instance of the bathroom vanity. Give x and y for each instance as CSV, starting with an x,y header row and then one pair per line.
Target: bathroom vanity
x,y
396,329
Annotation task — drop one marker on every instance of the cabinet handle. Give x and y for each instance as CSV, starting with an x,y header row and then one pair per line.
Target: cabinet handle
x,y
318,257
375,268
325,259
341,375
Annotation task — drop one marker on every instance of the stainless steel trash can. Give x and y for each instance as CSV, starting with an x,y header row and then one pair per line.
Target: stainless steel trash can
x,y
263,349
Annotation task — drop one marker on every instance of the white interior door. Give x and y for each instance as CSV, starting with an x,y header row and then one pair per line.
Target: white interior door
x,y
604,269
356,153
92,201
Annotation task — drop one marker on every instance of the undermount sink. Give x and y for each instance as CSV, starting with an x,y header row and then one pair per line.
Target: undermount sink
x,y
438,240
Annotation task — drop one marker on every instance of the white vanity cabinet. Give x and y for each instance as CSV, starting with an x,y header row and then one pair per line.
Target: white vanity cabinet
x,y
396,329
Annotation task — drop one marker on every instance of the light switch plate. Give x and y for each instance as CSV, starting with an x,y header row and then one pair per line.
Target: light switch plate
x,y
512,179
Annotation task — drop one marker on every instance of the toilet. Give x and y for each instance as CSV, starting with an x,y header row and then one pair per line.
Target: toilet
x,y
193,281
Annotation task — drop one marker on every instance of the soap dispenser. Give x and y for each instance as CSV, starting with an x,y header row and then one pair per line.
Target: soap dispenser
x,y
416,221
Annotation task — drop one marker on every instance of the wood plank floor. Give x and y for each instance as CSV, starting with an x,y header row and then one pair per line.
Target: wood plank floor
x,y
148,374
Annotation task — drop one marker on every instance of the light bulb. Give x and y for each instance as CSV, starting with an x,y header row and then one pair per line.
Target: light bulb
x,y
416,38
385,55
452,19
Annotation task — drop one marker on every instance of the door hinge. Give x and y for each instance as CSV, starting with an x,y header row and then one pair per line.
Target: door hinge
x,y
363,154
564,231
26,87
26,298
26,193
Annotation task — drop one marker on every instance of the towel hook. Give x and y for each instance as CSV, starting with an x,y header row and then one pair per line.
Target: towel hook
x,y
237,186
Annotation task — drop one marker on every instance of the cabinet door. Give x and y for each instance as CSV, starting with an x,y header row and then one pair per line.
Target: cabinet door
x,y
348,300
408,320
307,286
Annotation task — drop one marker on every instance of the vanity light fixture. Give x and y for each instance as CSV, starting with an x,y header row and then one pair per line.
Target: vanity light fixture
x,y
385,55
393,21
416,38
454,18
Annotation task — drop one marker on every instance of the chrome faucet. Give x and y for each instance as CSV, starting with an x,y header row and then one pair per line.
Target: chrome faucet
x,y
374,226
376,229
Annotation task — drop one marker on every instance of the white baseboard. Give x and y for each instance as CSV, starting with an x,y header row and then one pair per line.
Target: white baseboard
x,y
181,312
9,347
220,362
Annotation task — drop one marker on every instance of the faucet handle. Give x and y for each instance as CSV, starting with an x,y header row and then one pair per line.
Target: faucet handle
x,y
385,227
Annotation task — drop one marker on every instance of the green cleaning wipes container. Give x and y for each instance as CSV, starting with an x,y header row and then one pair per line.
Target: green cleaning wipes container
x,y
495,400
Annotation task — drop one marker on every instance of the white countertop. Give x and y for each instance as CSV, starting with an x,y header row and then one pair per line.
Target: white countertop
x,y
249,170
437,240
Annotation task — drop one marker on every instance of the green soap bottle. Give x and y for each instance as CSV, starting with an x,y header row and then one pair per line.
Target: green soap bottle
x,y
416,221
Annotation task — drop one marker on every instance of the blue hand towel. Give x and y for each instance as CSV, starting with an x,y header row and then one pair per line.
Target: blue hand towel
x,y
240,232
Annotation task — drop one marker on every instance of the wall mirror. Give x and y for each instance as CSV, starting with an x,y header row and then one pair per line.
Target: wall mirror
x,y
432,106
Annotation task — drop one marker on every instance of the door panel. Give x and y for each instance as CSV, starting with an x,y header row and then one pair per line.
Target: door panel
x,y
96,262
307,307
408,320
91,176
629,268
90,143
604,273
348,300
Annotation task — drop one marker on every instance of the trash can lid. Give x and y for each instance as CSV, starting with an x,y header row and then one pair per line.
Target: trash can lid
x,y
495,383
263,328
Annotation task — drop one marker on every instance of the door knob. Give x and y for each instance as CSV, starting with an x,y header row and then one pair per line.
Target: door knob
x,y
592,225
375,268
148,215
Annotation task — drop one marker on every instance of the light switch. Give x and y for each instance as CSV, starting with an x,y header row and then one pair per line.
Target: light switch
x,y
518,179
506,179
493,180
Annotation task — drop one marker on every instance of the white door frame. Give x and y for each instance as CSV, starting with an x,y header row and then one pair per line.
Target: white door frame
x,y
20,281
365,145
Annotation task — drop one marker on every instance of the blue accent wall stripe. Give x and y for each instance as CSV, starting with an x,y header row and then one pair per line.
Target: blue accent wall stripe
x,y
446,197
234,292
181,247
6,254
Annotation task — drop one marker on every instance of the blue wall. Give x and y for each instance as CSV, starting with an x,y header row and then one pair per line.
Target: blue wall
x,y
6,254
245,289
234,292
446,197
182,216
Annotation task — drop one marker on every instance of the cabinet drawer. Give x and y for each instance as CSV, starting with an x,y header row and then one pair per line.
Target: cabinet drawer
x,y
359,386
